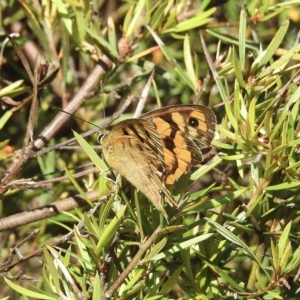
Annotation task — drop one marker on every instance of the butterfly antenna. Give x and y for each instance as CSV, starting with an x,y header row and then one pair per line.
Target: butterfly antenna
x,y
61,110
102,99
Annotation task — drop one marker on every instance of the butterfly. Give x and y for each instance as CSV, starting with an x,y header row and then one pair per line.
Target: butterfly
x,y
155,149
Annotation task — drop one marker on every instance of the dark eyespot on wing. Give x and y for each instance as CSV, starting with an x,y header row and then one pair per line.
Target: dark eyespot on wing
x,y
193,122
201,126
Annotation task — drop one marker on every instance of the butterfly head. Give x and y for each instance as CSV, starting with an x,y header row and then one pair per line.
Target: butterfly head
x,y
100,137
103,140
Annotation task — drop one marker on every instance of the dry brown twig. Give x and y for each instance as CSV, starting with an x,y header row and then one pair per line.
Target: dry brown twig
x,y
10,263
108,121
25,154
47,211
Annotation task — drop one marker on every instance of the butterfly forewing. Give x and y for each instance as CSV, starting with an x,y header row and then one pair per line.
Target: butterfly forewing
x,y
183,131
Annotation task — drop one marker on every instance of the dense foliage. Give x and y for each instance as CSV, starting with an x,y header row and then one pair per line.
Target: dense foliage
x,y
71,228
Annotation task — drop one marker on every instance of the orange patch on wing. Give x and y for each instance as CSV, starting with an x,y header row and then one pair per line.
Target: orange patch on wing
x,y
171,179
181,148
179,120
174,177
203,127
178,173
170,158
198,115
162,126
183,165
179,141
182,157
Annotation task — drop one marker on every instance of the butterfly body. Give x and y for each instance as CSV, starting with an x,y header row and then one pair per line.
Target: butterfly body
x,y
160,146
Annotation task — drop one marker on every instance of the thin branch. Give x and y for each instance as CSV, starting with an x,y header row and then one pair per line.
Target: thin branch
x,y
47,211
144,96
24,155
28,184
143,248
115,116
65,238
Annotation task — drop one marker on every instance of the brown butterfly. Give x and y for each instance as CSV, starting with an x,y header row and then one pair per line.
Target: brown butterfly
x,y
158,147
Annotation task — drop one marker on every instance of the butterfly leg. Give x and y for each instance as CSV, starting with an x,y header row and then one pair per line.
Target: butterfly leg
x,y
107,178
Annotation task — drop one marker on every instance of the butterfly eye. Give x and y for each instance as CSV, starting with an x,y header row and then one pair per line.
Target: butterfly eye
x,y
193,122
100,138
